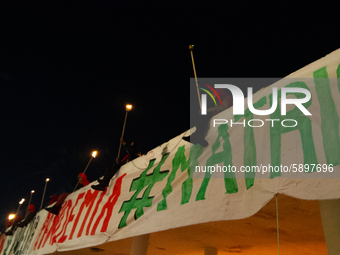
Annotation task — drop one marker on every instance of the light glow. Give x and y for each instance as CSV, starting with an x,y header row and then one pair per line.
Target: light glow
x,y
47,179
32,191
94,154
22,201
128,107
11,216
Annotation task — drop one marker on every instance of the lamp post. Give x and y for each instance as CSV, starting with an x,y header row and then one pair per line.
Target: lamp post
x,y
16,214
11,216
128,108
29,202
42,199
10,222
93,155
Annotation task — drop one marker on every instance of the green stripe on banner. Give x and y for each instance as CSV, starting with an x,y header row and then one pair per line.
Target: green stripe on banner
x,y
329,116
143,181
338,75
224,156
249,146
304,126
179,160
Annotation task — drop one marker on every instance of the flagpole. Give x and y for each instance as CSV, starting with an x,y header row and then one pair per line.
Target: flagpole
x,y
191,47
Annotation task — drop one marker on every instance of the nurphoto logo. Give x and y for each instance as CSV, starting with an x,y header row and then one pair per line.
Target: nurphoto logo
x,y
238,104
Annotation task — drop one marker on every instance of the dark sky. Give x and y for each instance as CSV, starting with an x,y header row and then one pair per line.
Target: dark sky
x,y
67,69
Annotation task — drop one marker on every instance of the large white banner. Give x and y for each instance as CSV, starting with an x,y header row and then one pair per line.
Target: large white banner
x,y
164,189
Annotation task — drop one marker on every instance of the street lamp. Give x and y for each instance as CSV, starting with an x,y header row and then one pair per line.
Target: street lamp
x,y
16,214
29,202
128,108
93,155
42,200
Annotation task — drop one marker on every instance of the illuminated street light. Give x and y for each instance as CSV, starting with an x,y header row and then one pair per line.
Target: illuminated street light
x,y
20,203
93,155
42,199
11,216
128,108
29,202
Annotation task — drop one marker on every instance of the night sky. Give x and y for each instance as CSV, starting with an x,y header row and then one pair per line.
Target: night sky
x,y
67,69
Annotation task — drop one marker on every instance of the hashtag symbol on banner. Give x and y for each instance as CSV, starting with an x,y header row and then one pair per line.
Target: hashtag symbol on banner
x,y
138,184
